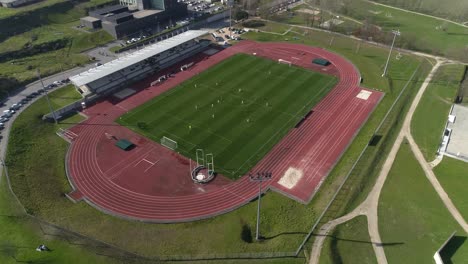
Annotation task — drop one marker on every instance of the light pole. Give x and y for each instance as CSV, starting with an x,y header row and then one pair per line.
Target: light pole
x,y
395,34
230,4
47,97
259,177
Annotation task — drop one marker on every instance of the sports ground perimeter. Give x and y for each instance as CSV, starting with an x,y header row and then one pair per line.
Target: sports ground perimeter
x,y
152,183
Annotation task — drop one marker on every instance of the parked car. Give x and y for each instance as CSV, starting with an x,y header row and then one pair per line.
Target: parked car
x,y
30,96
3,119
15,106
57,83
40,91
6,115
9,111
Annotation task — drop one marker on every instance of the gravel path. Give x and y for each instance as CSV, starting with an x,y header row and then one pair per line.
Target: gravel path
x,y
369,207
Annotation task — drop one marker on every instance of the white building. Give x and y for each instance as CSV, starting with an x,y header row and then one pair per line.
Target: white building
x,y
118,74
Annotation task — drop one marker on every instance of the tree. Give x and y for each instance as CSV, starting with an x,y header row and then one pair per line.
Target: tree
x,y
241,14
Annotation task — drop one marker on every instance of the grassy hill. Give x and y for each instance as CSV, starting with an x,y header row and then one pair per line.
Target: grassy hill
x,y
456,10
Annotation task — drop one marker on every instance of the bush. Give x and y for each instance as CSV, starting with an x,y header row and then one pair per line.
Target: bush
x,y
253,23
241,14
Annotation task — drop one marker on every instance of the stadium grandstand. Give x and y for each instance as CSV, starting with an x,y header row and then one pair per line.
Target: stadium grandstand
x,y
120,73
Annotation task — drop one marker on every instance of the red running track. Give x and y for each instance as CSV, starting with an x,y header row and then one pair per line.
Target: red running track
x,y
151,183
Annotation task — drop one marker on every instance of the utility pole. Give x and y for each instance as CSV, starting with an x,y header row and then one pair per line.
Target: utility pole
x,y
47,97
395,34
259,177
230,3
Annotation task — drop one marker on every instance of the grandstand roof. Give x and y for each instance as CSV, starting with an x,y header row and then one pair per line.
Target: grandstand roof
x,y
123,62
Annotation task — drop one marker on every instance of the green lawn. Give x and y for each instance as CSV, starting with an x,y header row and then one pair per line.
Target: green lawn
x,y
237,110
418,32
432,112
452,173
349,243
456,10
64,96
38,25
299,16
20,235
413,221
24,69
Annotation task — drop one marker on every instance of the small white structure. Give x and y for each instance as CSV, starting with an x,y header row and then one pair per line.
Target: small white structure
x,y
451,118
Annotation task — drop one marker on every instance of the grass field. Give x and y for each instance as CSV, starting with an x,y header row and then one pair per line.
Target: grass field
x,y
64,96
39,25
456,10
452,173
432,112
283,220
412,218
237,110
20,235
418,32
349,243
299,16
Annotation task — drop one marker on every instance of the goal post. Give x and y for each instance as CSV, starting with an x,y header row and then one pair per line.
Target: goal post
x,y
210,163
200,156
169,143
281,61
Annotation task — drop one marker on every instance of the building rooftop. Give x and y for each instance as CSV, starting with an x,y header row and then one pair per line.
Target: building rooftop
x,y
109,9
115,17
145,13
123,62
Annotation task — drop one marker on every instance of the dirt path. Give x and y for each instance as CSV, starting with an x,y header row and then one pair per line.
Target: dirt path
x,y
369,207
435,183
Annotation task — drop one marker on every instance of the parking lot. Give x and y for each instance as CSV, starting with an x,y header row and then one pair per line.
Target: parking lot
x,y
224,35
198,8
458,144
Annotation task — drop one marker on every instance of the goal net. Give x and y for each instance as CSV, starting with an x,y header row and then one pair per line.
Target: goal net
x,y
168,143
281,61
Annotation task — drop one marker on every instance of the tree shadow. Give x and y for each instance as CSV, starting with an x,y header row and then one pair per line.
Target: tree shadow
x,y
451,248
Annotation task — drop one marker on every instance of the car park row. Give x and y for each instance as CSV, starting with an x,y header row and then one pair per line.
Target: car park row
x,y
7,114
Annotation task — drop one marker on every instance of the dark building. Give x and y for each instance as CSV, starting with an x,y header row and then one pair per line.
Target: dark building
x,y
134,16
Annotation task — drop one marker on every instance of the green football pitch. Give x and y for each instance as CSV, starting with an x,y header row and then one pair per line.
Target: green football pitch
x,y
237,110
